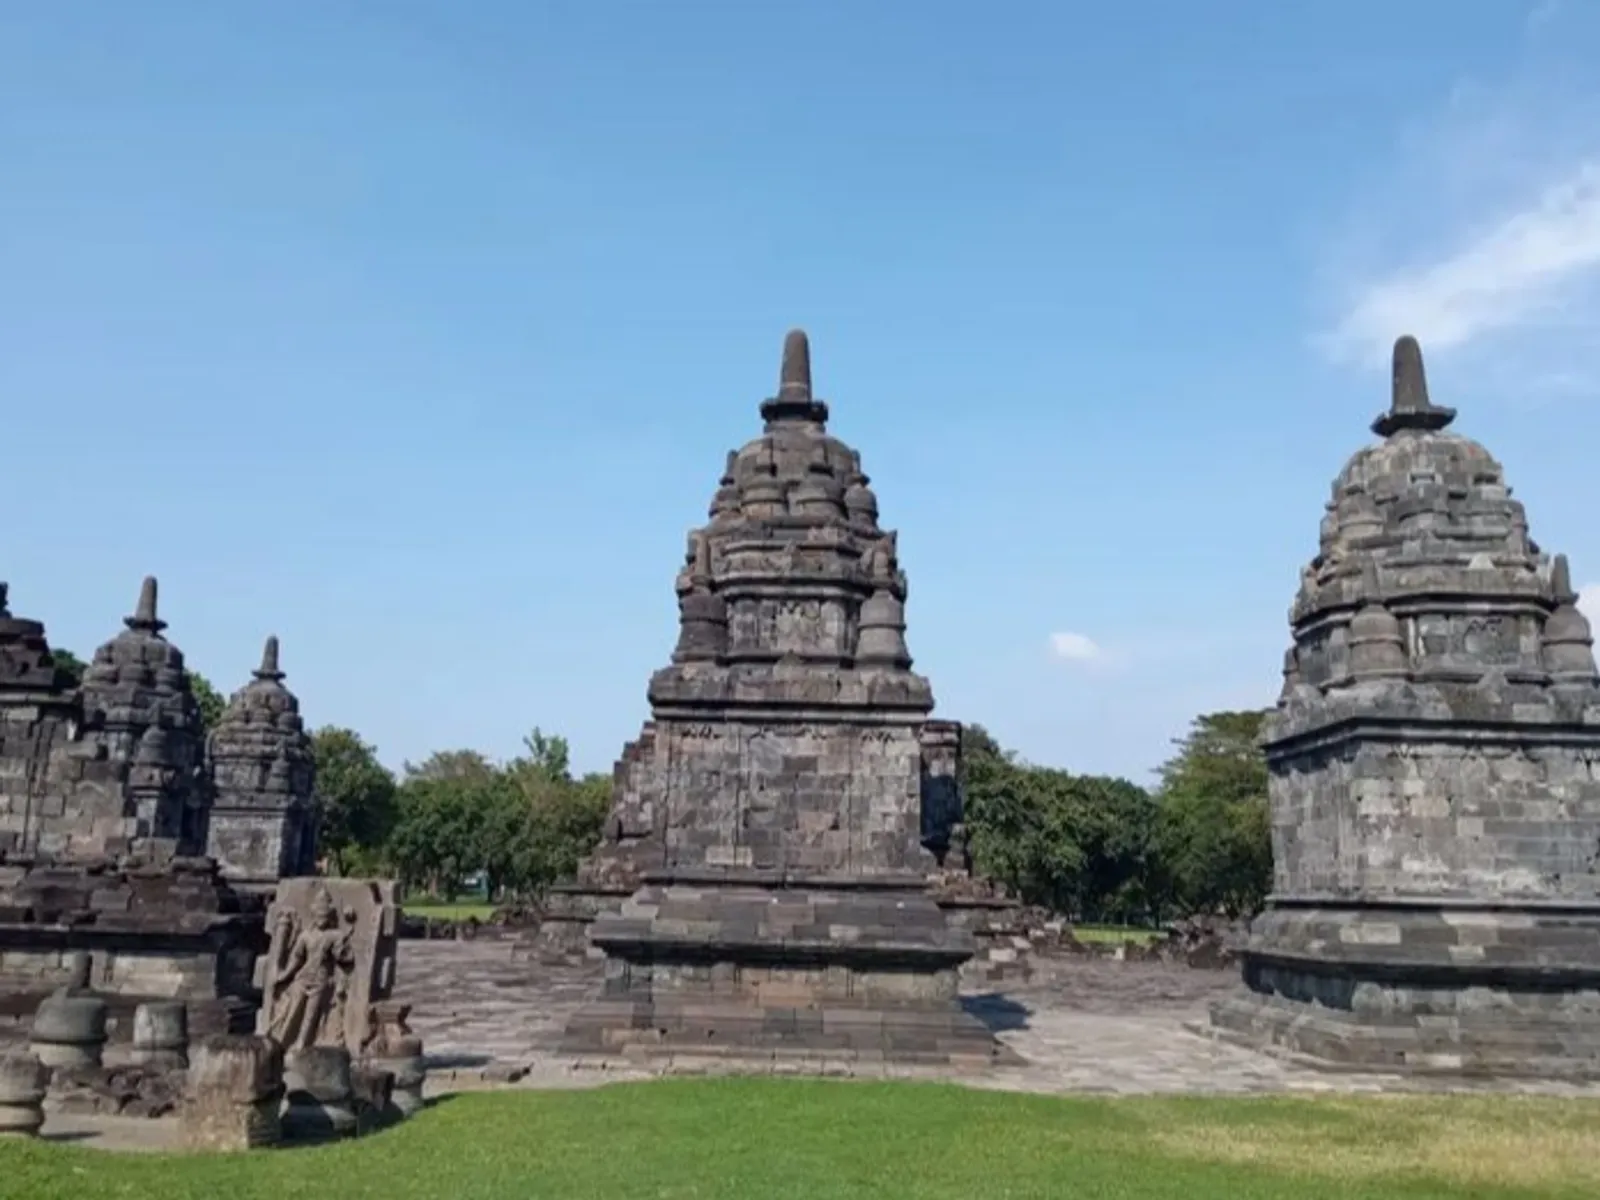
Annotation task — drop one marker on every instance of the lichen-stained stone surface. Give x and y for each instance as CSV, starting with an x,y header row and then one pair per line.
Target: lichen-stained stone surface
x,y
762,884
1434,795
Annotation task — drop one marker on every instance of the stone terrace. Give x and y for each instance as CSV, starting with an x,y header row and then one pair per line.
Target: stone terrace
x,y
1083,1026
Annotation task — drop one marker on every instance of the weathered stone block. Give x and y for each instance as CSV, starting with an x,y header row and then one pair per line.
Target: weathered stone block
x,y
23,1080
235,1089
320,1096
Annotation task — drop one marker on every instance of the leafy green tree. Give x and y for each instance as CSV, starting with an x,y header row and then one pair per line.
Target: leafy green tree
x,y
356,803
1078,844
70,665
524,824
209,699
450,764
547,754
1213,831
563,817
434,840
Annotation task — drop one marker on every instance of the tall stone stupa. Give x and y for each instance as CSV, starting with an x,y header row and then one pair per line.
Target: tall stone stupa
x,y
780,815
1434,778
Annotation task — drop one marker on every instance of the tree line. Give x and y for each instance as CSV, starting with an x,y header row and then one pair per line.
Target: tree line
x,y
517,826
1102,849
1090,847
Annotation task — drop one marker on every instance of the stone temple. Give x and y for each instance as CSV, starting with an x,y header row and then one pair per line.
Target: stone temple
x,y
1433,779
777,820
106,799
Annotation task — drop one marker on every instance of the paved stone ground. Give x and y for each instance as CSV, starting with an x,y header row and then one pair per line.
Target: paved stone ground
x,y
488,1016
1087,1026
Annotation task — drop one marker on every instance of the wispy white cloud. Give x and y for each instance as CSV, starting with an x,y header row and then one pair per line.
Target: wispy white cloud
x,y
1542,13
1482,238
1075,647
1515,272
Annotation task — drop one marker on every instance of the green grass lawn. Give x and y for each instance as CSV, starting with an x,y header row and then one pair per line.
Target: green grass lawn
x,y
755,1139
439,910
1113,934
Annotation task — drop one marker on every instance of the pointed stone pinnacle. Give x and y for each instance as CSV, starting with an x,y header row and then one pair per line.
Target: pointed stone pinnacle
x,y
793,404
5,596
144,617
1561,581
269,661
1409,406
1409,390
795,377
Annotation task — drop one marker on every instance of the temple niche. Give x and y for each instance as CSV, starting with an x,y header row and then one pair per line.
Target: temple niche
x,y
263,818
105,800
1434,796
774,826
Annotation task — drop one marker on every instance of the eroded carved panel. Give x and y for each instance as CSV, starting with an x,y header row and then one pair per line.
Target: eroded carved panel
x,y
332,956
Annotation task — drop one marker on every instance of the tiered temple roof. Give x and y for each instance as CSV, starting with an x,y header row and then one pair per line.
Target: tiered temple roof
x,y
262,823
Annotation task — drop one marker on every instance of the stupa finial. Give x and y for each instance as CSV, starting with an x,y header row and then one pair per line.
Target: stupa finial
x,y
795,377
1561,581
144,617
794,404
5,598
1409,406
268,670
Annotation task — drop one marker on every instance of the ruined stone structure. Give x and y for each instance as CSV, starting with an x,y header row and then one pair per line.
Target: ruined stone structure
x,y
263,821
331,961
631,845
104,799
1434,790
777,816
1003,950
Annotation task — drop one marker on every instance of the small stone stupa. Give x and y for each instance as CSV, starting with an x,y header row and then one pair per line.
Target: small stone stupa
x,y
1435,806
139,711
778,818
263,825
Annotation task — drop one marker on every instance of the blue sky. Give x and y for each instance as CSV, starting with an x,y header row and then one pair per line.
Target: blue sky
x,y
416,332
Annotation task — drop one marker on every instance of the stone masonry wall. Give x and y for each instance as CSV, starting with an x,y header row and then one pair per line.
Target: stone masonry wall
x,y
1439,818
33,803
801,797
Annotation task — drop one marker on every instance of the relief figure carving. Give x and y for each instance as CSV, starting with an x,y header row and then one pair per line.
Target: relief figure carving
x,y
311,983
